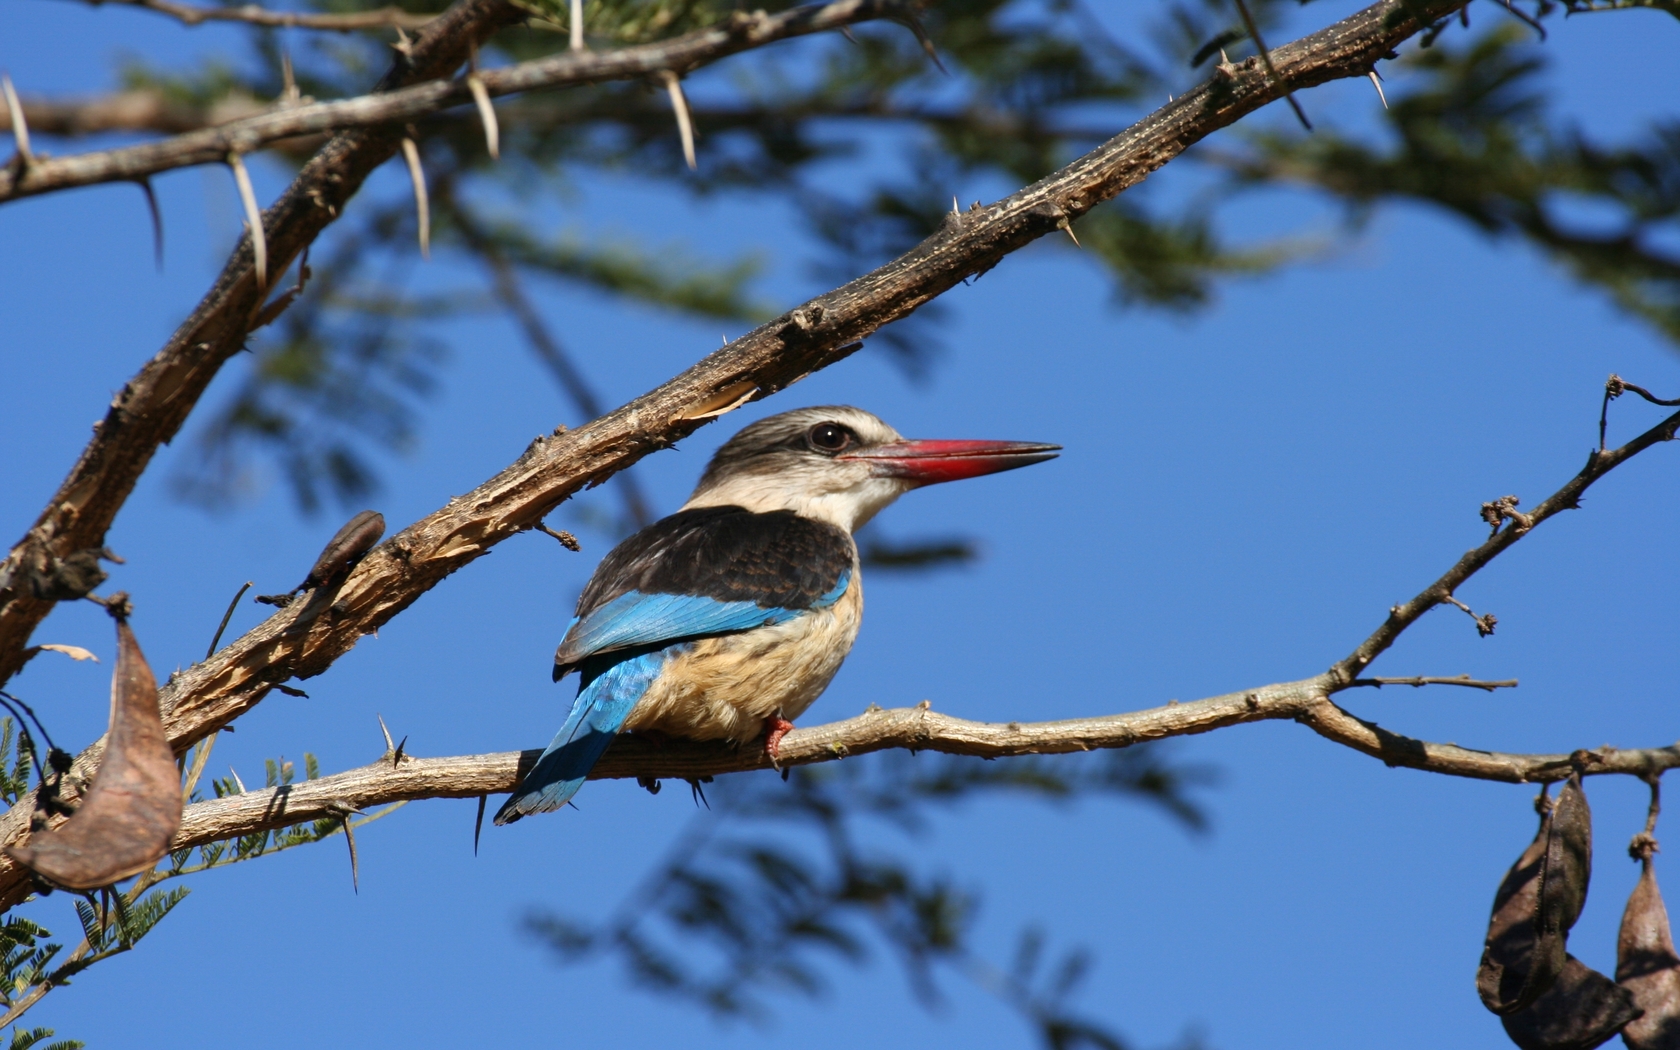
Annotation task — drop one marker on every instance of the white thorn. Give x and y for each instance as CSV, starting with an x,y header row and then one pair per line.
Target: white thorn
x,y
577,25
236,780
422,208
289,92
390,747
253,218
679,105
486,114
1067,228
20,128
1376,82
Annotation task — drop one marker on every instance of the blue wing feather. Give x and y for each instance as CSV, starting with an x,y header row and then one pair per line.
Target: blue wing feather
x,y
634,619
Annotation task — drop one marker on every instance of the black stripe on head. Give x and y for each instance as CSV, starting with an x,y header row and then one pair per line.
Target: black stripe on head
x,y
777,559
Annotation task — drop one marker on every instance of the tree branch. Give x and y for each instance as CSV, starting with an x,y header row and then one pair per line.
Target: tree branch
x,y
912,728
305,638
384,17
741,32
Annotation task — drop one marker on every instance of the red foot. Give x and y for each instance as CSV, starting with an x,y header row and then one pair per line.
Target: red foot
x,y
775,727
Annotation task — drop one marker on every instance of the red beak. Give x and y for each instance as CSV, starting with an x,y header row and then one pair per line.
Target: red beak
x,y
930,462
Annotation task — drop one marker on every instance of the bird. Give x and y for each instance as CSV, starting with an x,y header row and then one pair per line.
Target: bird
x,y
727,619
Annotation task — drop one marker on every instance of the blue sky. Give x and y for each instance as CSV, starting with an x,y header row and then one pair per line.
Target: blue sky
x,y
1242,496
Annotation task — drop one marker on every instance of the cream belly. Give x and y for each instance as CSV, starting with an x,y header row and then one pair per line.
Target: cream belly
x,y
724,688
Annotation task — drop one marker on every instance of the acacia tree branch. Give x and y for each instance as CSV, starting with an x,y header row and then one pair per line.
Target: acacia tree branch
x,y
740,32
305,638
380,18
913,729
152,406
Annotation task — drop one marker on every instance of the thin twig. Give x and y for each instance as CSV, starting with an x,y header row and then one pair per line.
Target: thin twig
x,y
208,653
1421,680
251,14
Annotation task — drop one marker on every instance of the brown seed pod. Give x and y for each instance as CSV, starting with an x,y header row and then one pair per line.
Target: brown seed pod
x,y
133,809
345,549
1517,962
1582,1009
1647,966
1563,888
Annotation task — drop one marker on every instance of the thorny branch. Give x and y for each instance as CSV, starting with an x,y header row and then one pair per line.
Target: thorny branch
x,y
304,639
380,18
739,33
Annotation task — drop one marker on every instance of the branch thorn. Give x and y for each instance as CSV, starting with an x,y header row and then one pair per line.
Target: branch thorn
x,y
253,217
145,185
679,105
20,127
486,112
422,207
1376,82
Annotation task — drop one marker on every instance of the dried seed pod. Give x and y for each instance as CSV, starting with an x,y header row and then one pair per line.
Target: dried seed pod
x,y
345,549
1582,1009
133,809
1518,963
1647,966
1563,889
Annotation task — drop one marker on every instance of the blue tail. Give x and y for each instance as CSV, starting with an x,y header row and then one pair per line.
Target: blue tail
x,y
603,703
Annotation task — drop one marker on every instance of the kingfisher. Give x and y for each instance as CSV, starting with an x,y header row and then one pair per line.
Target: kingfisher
x,y
726,620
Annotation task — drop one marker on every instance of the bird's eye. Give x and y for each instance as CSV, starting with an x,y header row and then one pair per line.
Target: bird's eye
x,y
829,437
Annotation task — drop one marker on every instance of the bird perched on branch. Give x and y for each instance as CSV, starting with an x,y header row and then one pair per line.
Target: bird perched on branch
x,y
730,617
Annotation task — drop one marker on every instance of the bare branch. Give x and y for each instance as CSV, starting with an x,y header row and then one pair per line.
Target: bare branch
x,y
1599,463
914,729
741,32
380,18
305,638
1423,680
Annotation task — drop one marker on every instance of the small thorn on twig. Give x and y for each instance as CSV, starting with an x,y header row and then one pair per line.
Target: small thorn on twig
x,y
567,540
397,755
576,26
350,839
1067,227
289,93
679,106
914,24
1376,82
157,220
486,112
390,747
253,218
846,31
20,128
208,653
422,208
478,824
